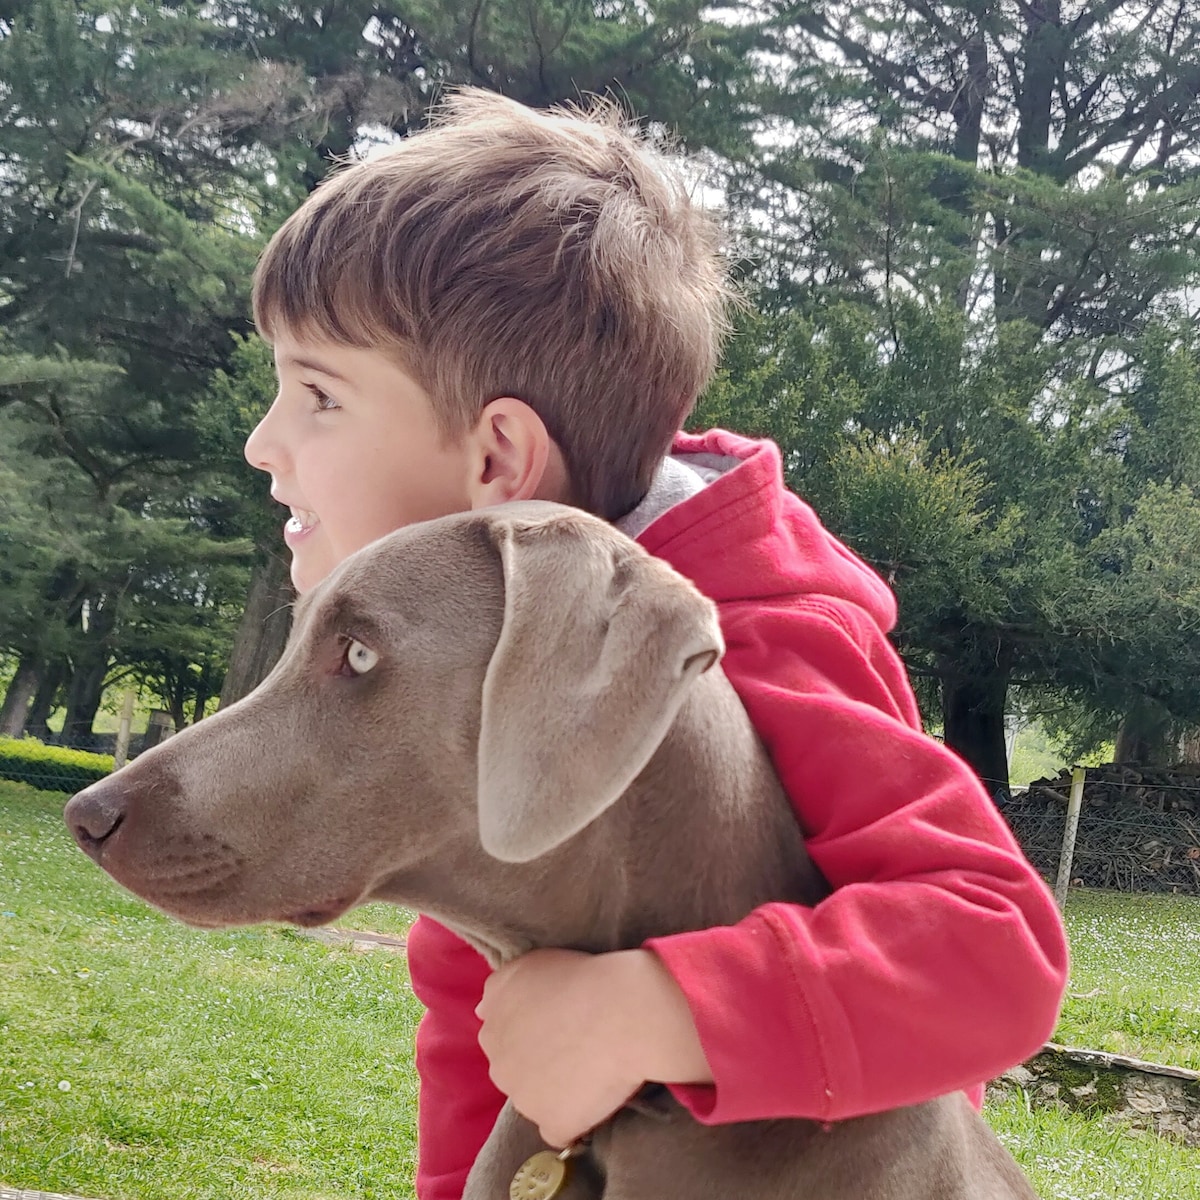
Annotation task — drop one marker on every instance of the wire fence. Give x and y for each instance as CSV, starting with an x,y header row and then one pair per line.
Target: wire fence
x,y
46,780
59,763
1142,852
1138,828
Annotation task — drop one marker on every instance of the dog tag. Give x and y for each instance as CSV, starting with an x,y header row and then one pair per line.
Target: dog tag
x,y
541,1177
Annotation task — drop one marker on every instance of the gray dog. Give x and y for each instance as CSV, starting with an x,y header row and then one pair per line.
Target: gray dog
x,y
509,720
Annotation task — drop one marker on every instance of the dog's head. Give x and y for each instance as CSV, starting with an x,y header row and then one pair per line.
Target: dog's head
x,y
489,682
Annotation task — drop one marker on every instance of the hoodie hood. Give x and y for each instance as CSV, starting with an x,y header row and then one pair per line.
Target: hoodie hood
x,y
720,513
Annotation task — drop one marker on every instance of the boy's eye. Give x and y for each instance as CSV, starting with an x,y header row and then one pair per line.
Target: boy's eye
x,y
324,401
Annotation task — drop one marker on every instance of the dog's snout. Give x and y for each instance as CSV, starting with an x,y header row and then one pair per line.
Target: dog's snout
x,y
94,815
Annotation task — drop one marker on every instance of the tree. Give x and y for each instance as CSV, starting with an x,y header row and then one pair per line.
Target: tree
x,y
123,263
145,151
235,402
1146,554
1012,192
925,462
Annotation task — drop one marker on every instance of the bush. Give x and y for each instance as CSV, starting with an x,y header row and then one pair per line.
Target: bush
x,y
53,768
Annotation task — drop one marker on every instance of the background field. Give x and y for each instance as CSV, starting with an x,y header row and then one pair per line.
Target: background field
x,y
140,1060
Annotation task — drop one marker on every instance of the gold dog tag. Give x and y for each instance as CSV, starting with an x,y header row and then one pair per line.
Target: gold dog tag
x,y
541,1177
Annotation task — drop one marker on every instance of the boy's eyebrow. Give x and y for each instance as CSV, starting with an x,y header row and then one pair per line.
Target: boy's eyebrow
x,y
312,364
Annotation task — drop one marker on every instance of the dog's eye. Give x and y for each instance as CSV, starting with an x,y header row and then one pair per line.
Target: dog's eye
x,y
359,658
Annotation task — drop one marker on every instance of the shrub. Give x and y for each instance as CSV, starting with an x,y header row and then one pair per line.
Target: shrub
x,y
53,768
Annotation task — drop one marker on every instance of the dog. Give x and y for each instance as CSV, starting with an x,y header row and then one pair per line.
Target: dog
x,y
472,718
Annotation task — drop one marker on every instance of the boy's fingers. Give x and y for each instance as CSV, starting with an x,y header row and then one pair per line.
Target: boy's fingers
x,y
553,1137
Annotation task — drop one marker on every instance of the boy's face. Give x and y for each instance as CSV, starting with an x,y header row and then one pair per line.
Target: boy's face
x,y
353,450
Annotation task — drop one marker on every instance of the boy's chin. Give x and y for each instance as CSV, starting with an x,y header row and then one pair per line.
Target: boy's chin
x,y
306,574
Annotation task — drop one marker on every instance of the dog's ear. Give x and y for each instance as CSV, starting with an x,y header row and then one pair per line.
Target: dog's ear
x,y
599,644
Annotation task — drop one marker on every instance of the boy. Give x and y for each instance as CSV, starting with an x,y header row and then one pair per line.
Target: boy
x,y
518,305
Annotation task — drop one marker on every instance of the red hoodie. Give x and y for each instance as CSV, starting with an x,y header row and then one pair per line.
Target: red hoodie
x,y
938,961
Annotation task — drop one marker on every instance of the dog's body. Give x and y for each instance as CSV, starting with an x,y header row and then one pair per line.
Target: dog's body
x,y
506,720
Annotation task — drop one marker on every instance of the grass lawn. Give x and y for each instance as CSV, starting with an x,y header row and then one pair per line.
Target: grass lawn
x,y
1135,989
1071,1157
1135,984
140,1060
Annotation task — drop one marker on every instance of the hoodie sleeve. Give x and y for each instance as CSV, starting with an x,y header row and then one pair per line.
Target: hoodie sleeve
x,y
938,961
458,1102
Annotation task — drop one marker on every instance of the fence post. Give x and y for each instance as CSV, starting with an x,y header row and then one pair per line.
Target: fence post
x,y
122,748
1065,859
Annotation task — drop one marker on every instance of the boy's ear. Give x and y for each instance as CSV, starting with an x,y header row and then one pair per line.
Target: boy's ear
x,y
513,456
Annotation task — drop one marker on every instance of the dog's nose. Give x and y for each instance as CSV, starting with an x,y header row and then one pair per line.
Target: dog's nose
x,y
94,815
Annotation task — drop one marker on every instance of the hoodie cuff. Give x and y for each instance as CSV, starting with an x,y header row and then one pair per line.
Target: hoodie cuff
x,y
764,1044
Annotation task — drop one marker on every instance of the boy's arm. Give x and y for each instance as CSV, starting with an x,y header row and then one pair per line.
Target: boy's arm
x,y
458,1103
938,961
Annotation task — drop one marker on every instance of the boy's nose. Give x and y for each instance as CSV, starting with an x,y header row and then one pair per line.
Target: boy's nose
x,y
259,450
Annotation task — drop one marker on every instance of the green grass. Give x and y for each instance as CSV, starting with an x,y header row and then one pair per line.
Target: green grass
x,y
1071,1157
143,1060
1135,989
1135,981
140,1060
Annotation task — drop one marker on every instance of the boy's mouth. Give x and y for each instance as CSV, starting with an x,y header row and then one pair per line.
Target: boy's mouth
x,y
301,521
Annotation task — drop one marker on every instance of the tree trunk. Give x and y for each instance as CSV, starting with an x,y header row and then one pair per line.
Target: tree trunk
x,y
83,701
42,705
1145,736
179,713
1189,745
204,687
14,712
973,718
1045,48
264,628
174,689
90,670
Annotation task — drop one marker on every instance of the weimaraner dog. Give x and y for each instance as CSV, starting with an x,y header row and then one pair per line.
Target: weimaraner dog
x,y
511,720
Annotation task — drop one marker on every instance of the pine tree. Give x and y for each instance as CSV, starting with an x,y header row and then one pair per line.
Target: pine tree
x,y
1009,193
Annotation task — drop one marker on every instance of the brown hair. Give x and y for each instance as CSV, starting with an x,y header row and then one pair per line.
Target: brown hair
x,y
551,256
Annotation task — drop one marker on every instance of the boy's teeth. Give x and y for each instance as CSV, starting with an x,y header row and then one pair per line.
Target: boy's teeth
x,y
301,520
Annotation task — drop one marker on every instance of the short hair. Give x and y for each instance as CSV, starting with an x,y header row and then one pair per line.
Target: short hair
x,y
554,256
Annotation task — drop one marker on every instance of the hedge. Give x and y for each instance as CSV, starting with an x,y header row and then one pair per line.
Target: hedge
x,y
53,768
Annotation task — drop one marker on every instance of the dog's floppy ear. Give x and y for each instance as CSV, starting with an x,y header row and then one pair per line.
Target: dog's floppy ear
x,y
599,644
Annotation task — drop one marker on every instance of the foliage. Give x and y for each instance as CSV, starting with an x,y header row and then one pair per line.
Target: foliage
x,y
124,264
1008,197
147,150
1043,158
1038,524
969,233
52,768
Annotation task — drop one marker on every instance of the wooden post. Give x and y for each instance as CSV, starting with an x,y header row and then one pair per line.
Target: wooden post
x,y
1065,859
121,753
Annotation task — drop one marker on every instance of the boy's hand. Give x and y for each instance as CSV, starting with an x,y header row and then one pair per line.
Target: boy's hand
x,y
570,1037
